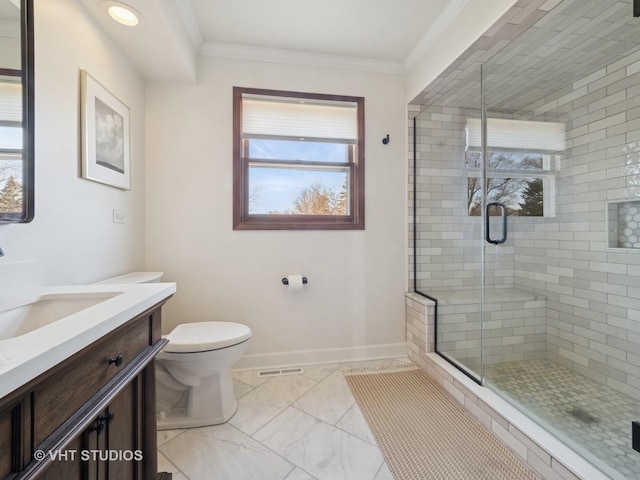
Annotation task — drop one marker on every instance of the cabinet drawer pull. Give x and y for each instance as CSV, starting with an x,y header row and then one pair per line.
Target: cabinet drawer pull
x,y
118,360
101,422
107,417
97,426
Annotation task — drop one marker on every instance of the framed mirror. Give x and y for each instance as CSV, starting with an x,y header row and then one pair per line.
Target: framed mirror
x,y
16,111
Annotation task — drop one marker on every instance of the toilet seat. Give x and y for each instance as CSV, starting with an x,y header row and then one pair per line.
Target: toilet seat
x,y
204,336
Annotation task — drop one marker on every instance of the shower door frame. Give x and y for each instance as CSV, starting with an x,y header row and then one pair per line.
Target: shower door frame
x,y
483,218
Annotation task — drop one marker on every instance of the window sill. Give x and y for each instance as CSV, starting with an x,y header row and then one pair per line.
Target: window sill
x,y
303,222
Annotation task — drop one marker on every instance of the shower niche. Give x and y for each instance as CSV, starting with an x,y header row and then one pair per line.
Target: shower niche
x,y
623,222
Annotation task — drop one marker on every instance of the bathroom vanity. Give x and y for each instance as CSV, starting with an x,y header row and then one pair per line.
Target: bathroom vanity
x,y
85,406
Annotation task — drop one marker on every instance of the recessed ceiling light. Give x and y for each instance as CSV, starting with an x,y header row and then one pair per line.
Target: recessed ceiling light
x,y
123,13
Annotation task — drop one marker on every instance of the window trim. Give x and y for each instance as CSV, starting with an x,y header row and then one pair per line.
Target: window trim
x,y
242,220
25,215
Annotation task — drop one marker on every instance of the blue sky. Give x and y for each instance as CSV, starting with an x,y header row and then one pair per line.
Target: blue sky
x,y
11,137
275,189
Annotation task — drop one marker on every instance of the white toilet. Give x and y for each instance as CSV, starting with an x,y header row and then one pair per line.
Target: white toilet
x,y
133,277
193,378
194,386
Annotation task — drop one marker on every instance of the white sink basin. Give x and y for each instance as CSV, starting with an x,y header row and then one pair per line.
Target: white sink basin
x,y
43,326
45,310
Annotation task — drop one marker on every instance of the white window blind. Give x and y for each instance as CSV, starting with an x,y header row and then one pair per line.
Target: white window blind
x,y
518,134
10,102
272,118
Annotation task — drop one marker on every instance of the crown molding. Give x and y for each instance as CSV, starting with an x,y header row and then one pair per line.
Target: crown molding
x,y
436,29
297,57
189,20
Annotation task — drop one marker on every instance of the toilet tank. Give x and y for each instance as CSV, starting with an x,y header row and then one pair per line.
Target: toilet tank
x,y
133,277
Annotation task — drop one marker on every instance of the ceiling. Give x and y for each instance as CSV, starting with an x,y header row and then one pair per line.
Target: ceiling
x,y
9,19
376,29
376,35
560,46
9,10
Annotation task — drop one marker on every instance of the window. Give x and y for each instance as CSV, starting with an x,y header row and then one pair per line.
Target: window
x,y
12,192
298,161
522,181
521,166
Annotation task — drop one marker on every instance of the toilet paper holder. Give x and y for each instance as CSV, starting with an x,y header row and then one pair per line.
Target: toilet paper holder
x,y
285,281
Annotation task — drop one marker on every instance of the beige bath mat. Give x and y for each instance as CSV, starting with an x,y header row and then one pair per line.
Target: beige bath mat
x,y
424,433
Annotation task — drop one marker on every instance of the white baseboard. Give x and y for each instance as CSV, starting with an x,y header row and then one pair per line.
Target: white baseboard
x,y
324,355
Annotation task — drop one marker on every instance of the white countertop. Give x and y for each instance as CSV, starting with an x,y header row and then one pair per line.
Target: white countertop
x,y
25,357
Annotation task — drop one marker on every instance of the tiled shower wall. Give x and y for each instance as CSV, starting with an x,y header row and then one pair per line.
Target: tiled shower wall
x,y
592,292
448,248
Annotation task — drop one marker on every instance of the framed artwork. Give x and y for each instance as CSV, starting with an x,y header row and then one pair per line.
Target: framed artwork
x,y
105,135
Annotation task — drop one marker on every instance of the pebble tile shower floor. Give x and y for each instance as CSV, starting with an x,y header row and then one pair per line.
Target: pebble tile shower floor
x,y
586,412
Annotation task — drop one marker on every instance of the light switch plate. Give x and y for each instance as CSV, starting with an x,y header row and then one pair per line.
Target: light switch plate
x,y
118,216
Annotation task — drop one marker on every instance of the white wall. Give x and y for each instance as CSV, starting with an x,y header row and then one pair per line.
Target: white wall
x,y
72,238
355,295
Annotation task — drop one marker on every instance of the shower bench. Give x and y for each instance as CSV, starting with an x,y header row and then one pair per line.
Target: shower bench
x,y
514,324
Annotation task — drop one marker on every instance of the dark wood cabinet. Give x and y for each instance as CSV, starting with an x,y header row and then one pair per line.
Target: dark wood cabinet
x,y
68,468
108,448
120,436
92,415
6,441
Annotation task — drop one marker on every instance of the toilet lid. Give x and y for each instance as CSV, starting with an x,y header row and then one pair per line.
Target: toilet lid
x,y
202,336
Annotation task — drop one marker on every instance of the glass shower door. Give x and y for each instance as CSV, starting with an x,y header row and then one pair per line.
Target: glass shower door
x,y
523,146
448,228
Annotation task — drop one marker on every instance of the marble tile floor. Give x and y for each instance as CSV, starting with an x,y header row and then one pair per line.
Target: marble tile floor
x,y
292,427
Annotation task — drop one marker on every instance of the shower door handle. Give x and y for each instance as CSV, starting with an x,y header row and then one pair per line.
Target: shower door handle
x,y
503,211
